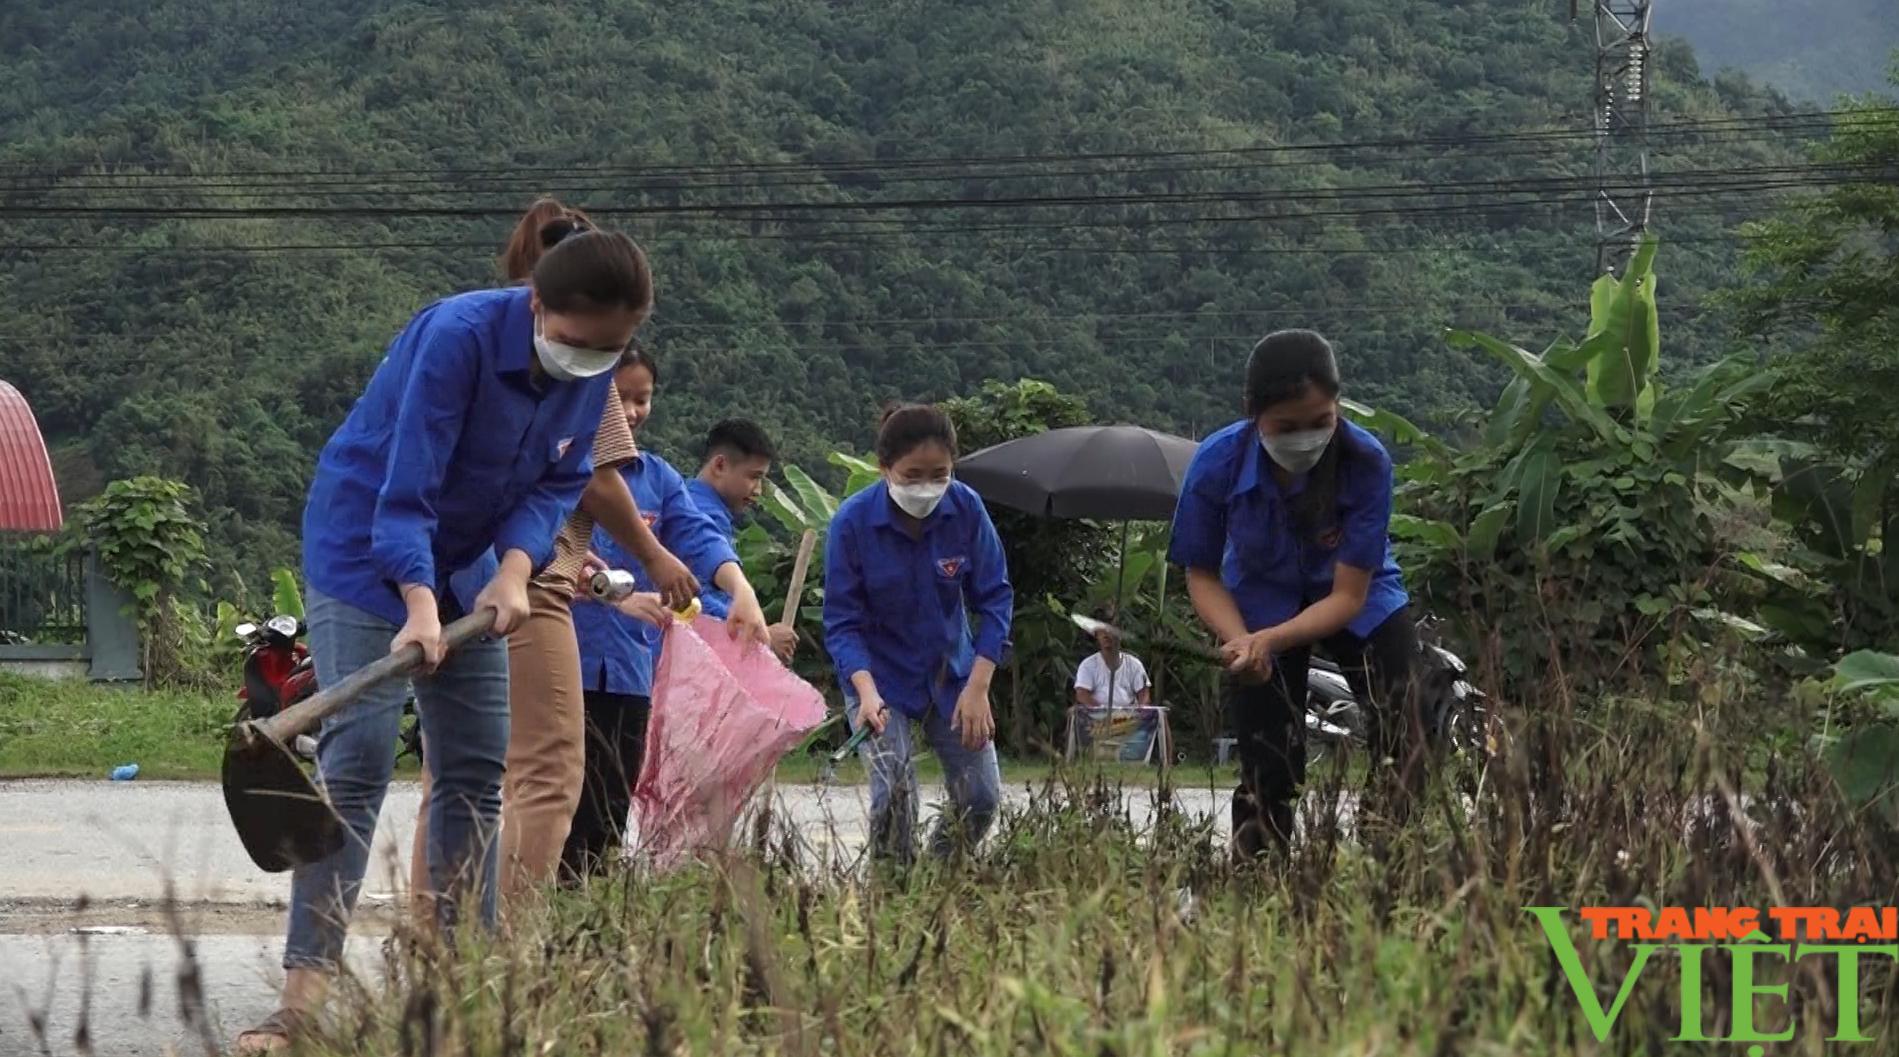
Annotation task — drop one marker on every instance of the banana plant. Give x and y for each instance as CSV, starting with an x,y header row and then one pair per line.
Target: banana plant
x,y
1838,587
1590,473
285,594
1865,760
768,546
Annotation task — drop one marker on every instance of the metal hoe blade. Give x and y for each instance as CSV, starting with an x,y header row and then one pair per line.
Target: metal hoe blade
x,y
281,816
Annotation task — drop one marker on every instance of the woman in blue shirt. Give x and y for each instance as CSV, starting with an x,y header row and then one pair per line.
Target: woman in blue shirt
x,y
471,441
905,561
619,644
1283,527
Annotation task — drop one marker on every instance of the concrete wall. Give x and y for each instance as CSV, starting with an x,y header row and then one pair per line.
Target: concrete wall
x,y
111,630
45,662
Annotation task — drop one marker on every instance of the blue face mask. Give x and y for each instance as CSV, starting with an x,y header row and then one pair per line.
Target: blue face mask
x,y
1298,451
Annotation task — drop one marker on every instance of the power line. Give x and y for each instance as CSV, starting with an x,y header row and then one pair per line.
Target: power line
x,y
144,182
1742,179
1738,179
910,237
1794,119
1163,249
882,238
502,181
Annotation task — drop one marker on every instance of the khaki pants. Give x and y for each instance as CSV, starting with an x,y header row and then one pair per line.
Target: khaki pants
x,y
546,753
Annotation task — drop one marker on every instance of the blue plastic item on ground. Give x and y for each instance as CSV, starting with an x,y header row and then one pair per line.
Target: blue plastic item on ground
x,y
125,772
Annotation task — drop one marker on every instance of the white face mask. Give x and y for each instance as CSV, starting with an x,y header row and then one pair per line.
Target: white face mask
x,y
918,500
1298,451
568,363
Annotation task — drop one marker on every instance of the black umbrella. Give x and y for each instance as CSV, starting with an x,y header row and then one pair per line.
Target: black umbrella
x,y
1104,473
1108,473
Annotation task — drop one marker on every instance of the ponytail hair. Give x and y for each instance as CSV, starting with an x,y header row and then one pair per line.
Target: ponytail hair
x,y
541,228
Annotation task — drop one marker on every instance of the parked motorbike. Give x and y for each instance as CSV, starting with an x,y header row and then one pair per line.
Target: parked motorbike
x,y
279,672
1455,710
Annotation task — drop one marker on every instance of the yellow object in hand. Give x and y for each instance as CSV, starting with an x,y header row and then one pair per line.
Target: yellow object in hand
x,y
688,614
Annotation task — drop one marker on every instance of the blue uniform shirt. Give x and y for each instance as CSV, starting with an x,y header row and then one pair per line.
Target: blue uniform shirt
x,y
449,457
617,652
715,602
895,606
1233,516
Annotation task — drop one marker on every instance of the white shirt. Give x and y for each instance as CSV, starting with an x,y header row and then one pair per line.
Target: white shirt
x,y
1119,688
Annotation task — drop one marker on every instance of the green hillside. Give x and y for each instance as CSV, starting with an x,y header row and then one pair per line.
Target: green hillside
x,y
216,214
1813,50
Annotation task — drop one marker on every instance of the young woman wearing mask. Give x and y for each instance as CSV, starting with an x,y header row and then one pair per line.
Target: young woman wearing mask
x,y
546,735
905,562
453,472
1283,527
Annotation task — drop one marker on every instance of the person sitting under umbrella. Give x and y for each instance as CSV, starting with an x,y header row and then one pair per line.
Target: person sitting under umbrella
x,y
1110,678
1111,682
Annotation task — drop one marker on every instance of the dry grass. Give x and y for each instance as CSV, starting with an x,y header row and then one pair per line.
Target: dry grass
x,y
1075,931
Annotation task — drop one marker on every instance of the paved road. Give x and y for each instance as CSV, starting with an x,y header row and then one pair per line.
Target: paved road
x,y
128,840
48,975
124,846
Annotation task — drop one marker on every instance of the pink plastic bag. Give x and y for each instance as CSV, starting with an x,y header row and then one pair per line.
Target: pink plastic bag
x,y
723,713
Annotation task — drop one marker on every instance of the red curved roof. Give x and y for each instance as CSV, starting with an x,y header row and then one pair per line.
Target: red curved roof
x,y
29,500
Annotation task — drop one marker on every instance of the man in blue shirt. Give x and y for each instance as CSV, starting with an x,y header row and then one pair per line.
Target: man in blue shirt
x,y
738,457
1283,527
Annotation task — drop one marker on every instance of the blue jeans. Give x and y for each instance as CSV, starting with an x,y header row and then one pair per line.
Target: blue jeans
x,y
463,709
971,776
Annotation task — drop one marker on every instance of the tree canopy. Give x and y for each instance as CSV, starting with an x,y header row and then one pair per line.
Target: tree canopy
x,y
217,214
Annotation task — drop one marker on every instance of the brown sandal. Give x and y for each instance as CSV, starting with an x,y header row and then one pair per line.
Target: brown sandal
x,y
276,1032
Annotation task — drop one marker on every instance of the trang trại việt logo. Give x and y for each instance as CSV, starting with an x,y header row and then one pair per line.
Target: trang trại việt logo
x,y
1750,939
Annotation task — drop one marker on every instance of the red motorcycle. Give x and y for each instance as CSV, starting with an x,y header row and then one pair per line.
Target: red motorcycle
x,y
279,672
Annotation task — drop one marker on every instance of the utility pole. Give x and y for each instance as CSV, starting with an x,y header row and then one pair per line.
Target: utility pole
x,y
1623,194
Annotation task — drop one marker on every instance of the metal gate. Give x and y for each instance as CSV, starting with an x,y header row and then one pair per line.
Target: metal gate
x,y
42,595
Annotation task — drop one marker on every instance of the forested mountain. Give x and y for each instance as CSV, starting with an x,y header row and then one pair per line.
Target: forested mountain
x,y
1813,50
216,212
